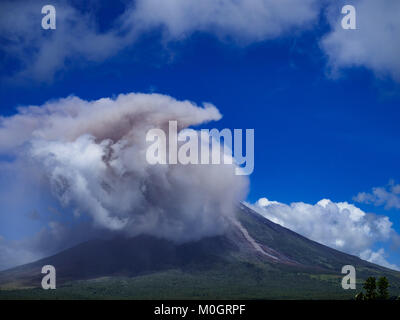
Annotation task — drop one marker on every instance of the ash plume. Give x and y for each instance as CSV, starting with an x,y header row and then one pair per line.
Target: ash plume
x,y
91,156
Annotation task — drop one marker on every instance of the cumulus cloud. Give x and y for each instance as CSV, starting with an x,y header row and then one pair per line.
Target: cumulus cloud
x,y
374,45
339,225
378,257
91,156
388,196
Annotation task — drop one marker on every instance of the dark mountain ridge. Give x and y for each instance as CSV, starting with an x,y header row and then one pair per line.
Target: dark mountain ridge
x,y
253,249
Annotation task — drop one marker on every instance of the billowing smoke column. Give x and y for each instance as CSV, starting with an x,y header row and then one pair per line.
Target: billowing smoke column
x,y
93,157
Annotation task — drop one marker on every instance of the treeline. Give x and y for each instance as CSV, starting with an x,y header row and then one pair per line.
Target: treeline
x,y
375,290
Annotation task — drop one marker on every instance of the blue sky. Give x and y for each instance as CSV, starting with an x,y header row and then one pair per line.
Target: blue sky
x,y
317,135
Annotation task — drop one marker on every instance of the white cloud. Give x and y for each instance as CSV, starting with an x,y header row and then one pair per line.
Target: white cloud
x,y
388,196
39,54
374,45
339,225
378,257
254,20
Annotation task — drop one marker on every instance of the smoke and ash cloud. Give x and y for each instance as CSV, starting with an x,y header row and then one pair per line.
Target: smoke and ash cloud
x,y
50,239
91,157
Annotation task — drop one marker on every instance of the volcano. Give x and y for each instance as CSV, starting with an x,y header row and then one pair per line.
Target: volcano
x,y
254,259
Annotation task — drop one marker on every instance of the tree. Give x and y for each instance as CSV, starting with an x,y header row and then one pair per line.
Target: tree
x,y
370,288
383,285
359,296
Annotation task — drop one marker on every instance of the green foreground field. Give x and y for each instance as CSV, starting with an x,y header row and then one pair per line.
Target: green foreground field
x,y
246,280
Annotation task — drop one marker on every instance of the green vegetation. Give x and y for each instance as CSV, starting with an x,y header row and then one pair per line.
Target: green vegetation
x,y
374,290
239,280
370,288
383,285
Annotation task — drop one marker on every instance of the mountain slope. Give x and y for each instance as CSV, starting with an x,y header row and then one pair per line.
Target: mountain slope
x,y
255,258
